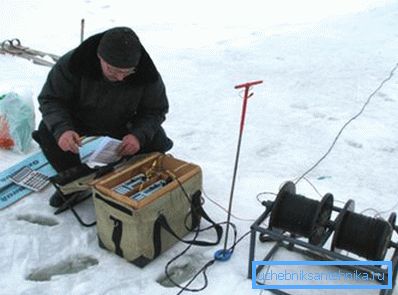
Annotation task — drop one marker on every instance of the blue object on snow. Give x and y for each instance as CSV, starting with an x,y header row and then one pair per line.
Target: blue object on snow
x,y
223,254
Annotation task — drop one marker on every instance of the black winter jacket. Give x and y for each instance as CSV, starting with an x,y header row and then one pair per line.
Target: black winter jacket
x,y
77,97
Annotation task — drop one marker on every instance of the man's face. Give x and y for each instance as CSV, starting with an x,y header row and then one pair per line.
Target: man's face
x,y
114,74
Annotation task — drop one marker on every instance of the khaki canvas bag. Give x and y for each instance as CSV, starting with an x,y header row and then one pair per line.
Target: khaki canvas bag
x,y
140,230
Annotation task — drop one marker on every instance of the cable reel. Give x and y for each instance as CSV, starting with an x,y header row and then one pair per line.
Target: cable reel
x,y
299,215
365,236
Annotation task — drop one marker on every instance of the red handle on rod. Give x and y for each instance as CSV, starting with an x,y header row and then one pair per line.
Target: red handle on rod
x,y
246,85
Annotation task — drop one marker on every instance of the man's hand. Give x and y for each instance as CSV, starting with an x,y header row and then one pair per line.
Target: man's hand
x,y
130,145
69,141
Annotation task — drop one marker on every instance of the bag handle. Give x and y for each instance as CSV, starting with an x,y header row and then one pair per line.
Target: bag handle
x,y
161,221
117,235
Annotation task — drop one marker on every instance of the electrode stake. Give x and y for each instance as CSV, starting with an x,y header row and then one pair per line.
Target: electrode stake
x,y
224,254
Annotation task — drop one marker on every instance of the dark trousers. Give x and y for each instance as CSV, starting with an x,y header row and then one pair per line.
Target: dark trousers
x,y
62,161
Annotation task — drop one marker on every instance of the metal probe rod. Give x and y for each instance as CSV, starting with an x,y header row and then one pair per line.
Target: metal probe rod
x,y
242,123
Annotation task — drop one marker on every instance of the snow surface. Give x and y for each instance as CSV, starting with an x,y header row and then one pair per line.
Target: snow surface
x,y
319,60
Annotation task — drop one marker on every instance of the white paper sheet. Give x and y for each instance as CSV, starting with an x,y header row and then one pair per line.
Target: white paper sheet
x,y
106,153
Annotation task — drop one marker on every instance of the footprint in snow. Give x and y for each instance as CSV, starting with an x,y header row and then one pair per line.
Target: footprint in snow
x,y
299,106
188,134
38,219
388,150
268,150
318,115
354,144
70,266
385,97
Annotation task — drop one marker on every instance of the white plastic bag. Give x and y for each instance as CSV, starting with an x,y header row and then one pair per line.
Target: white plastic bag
x,y
17,121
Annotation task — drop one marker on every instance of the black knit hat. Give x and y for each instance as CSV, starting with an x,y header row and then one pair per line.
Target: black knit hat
x,y
120,47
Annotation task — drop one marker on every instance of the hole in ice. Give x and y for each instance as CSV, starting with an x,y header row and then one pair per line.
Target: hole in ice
x,y
178,274
70,266
38,219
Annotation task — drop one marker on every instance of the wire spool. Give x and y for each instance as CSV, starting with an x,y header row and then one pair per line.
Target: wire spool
x,y
365,236
300,215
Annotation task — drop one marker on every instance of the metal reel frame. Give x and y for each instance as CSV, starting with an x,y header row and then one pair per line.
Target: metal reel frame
x,y
293,243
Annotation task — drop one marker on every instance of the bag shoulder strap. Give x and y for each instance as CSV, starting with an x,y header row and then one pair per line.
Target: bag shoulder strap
x,y
197,209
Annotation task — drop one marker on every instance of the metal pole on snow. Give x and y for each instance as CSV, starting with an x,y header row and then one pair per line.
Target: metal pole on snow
x,y
82,30
224,254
